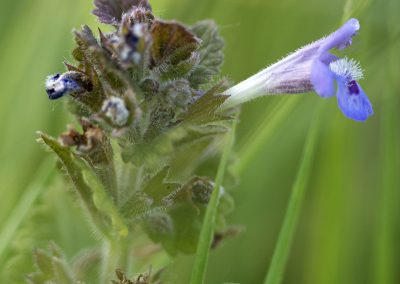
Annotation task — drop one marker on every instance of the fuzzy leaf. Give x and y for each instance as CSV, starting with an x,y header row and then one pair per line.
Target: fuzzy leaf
x,y
88,55
211,55
44,262
87,43
62,272
187,159
55,250
52,267
196,133
172,43
85,40
167,72
103,202
136,206
187,221
111,11
204,109
160,227
158,189
71,167
93,145
36,278
75,173
178,228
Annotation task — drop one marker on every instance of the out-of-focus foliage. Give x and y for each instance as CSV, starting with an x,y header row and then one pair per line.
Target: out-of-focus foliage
x,y
350,213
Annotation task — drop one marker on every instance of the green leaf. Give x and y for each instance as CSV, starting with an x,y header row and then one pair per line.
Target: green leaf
x,y
43,262
172,42
62,273
187,158
94,146
204,109
158,189
103,202
155,196
36,278
136,207
167,71
187,225
74,171
196,133
173,50
211,54
177,226
52,266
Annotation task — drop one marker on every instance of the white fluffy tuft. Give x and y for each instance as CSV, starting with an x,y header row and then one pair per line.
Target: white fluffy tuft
x,y
347,68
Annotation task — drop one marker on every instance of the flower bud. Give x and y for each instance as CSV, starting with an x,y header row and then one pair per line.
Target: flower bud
x,y
201,190
115,109
69,83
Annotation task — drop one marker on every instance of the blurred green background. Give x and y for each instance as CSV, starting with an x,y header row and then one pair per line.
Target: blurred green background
x,y
350,222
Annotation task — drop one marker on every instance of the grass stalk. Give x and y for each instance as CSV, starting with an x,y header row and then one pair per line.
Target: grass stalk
x,y
285,238
386,255
207,231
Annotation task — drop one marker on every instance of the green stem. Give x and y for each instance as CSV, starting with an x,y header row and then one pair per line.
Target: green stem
x,y
110,256
207,231
126,259
288,229
116,254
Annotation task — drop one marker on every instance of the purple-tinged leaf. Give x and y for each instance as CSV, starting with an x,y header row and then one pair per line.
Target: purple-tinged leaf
x,y
111,11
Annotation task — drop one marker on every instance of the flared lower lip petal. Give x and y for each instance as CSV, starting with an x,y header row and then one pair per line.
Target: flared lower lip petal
x,y
353,102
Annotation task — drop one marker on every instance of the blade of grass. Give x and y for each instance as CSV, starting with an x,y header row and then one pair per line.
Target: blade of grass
x,y
285,238
264,132
207,231
384,264
44,175
386,256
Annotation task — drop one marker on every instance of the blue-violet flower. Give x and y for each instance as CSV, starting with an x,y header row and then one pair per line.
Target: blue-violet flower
x,y
312,68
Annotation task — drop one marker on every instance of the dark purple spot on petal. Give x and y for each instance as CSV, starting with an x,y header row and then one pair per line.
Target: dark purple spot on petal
x,y
353,88
55,77
131,40
50,91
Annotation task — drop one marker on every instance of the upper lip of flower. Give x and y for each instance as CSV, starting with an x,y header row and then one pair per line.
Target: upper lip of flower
x,y
327,68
